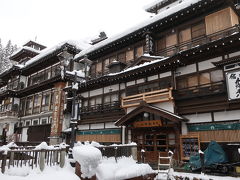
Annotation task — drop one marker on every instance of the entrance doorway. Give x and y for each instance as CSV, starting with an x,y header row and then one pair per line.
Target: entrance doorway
x,y
153,142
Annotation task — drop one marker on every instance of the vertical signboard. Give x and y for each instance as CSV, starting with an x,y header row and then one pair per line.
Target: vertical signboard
x,y
233,84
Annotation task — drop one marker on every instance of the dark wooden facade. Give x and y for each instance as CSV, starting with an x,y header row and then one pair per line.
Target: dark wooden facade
x,y
181,73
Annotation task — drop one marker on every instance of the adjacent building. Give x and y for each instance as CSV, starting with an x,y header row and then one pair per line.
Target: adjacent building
x,y
32,96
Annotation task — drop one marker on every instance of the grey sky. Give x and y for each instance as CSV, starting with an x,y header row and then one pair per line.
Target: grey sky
x,y
53,21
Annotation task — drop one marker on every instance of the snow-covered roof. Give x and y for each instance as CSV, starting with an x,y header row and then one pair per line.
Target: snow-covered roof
x,y
77,44
155,3
25,48
178,7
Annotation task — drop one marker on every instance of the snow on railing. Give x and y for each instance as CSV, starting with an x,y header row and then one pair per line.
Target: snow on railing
x,y
12,155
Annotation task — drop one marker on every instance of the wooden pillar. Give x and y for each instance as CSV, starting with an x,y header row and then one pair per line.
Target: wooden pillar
x,y
177,130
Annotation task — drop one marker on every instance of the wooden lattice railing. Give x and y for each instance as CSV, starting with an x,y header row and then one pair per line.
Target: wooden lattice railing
x,y
162,95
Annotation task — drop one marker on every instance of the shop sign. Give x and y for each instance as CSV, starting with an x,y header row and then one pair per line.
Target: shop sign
x,y
233,85
152,123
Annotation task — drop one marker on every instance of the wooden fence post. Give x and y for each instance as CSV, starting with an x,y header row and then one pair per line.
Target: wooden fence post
x,y
4,162
11,160
62,157
42,160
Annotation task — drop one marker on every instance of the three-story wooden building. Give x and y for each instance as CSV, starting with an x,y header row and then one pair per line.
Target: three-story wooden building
x,y
32,96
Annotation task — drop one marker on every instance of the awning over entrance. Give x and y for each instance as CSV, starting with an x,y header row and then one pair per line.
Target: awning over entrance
x,y
144,107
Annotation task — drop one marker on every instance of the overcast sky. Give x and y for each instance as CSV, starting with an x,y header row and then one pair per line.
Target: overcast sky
x,y
54,21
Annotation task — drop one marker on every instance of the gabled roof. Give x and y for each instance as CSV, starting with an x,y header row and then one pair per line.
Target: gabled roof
x,y
24,49
144,107
31,42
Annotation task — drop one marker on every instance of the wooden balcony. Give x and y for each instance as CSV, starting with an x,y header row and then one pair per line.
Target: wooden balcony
x,y
172,50
162,95
200,90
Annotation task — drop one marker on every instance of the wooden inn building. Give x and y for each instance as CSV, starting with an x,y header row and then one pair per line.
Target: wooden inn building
x,y
32,96
169,83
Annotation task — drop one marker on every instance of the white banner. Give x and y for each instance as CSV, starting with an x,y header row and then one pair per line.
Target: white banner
x,y
233,84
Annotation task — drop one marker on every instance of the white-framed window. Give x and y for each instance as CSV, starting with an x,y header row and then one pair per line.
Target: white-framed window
x,y
44,120
28,123
35,122
50,120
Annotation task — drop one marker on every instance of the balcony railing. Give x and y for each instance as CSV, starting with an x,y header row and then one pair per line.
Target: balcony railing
x,y
115,105
171,50
8,113
162,95
44,75
201,90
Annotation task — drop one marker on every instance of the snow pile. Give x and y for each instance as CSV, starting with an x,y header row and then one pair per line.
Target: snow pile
x,y
63,145
79,73
7,147
125,168
43,145
75,86
49,173
89,158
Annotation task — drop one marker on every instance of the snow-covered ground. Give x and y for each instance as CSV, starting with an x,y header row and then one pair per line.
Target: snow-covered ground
x,y
163,176
49,173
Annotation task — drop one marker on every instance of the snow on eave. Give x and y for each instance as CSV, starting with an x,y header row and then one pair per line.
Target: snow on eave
x,y
48,51
153,4
150,21
168,112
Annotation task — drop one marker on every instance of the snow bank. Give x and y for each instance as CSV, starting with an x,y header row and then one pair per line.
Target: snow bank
x,y
125,168
49,173
89,158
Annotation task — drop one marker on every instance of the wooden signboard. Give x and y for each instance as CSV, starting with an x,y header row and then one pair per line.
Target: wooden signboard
x,y
152,123
189,145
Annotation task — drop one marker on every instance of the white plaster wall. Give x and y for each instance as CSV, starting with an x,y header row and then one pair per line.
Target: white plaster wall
x,y
150,78
24,134
115,87
24,80
16,101
96,92
130,109
97,126
169,106
110,125
1,128
199,118
208,63
83,127
166,74
187,69
85,94
227,115
130,83
122,86
184,128
140,81
234,54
